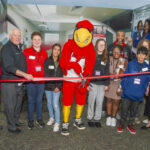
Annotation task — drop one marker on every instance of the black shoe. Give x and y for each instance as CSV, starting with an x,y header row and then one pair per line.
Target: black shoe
x,y
79,124
1,127
65,129
40,123
91,123
15,131
98,124
145,127
19,124
30,124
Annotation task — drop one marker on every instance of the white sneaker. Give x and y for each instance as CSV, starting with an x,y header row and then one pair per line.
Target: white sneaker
x,y
50,122
56,127
113,122
108,121
145,121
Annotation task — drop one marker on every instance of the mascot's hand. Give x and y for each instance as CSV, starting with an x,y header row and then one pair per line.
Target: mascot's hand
x,y
82,89
77,68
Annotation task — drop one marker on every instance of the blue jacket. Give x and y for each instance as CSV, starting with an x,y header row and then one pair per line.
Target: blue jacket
x,y
134,87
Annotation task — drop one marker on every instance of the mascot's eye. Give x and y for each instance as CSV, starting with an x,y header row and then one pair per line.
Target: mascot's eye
x,y
78,39
86,40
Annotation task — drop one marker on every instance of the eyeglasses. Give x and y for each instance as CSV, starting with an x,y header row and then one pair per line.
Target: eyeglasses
x,y
102,45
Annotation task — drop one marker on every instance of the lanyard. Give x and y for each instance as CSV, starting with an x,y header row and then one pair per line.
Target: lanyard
x,y
114,66
37,58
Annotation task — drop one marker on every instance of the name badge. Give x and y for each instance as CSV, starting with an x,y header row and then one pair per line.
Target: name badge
x,y
102,63
137,81
145,69
97,73
50,67
38,68
31,57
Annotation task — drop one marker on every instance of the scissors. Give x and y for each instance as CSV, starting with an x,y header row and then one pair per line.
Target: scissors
x,y
84,81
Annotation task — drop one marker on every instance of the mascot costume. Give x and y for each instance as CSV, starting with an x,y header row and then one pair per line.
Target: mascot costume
x,y
77,60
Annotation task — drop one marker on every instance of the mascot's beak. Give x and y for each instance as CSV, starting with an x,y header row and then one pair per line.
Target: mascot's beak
x,y
82,37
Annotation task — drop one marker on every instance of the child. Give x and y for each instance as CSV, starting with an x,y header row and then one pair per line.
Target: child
x,y
97,90
134,88
117,65
52,89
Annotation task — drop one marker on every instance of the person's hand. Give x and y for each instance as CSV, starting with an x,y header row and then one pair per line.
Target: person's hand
x,y
28,77
56,90
147,91
119,91
106,88
89,88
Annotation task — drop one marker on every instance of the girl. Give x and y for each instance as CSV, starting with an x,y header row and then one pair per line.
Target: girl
x,y
117,65
98,86
146,32
52,89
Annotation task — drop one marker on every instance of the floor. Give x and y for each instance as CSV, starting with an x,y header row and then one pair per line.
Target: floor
x,y
105,138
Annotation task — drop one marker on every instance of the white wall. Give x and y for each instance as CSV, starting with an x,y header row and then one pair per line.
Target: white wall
x,y
25,26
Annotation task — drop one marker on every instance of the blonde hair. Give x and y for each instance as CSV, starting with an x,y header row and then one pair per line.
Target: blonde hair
x,y
141,44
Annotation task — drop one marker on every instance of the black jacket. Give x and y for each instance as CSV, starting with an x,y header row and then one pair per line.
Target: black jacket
x,y
127,52
12,59
51,71
100,69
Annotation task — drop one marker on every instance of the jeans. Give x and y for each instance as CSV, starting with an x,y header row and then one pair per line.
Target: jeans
x,y
35,93
53,104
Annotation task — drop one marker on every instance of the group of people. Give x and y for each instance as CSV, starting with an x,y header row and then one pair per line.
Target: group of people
x,y
142,32
34,62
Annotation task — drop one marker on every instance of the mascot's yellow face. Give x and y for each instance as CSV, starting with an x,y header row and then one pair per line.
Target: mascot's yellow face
x,y
82,37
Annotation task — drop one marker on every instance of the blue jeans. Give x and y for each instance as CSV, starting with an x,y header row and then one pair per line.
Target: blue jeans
x,y
35,93
53,104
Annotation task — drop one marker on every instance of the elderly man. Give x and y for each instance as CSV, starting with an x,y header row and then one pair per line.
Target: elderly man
x,y
13,67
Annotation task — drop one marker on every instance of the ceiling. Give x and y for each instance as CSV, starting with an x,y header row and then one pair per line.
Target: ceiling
x,y
122,4
62,18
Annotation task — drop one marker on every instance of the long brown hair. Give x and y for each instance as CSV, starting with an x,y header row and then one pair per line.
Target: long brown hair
x,y
56,44
104,55
141,44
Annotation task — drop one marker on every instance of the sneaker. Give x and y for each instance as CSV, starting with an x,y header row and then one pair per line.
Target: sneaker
x,y
56,127
98,124
91,123
65,129
120,128
131,129
79,124
15,131
137,121
145,121
40,123
50,122
113,122
30,124
108,121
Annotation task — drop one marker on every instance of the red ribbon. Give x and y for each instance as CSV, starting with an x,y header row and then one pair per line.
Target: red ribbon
x,y
39,79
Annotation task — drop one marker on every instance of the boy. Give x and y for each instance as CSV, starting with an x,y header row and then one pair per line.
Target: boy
x,y
134,88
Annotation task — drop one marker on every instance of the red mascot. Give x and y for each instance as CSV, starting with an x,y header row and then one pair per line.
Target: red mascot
x,y
77,59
